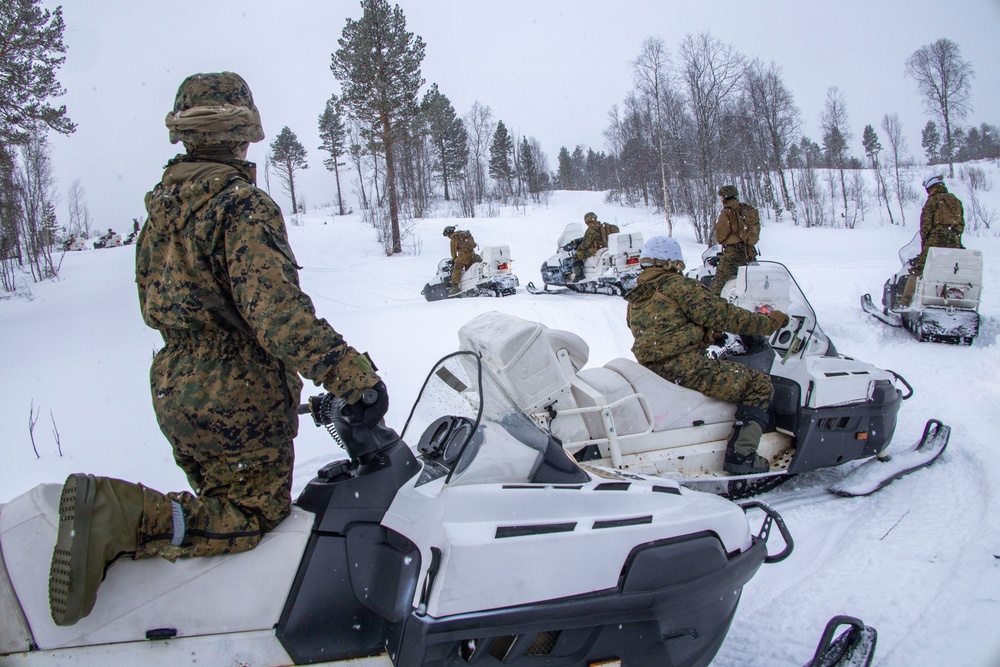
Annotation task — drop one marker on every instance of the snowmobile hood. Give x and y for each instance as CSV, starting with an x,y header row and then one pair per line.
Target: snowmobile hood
x,y
188,185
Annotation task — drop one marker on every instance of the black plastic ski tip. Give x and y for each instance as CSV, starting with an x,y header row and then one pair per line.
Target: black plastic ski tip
x,y
855,647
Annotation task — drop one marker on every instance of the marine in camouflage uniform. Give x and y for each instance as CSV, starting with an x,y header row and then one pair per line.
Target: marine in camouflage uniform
x,y
935,231
673,320
735,252
463,253
595,238
217,278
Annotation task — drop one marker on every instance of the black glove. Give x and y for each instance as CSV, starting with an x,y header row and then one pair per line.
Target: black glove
x,y
371,407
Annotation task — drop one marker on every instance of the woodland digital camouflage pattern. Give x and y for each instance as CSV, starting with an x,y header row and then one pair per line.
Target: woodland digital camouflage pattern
x,y
595,238
217,278
734,252
673,318
214,108
942,222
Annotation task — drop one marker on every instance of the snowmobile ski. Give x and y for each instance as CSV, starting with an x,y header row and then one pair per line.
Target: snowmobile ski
x,y
876,472
530,287
887,317
855,647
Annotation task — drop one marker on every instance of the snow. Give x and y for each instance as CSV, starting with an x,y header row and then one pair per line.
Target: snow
x,y
918,560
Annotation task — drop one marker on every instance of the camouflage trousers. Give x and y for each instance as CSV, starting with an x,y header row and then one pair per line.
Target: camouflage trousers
x,y
229,413
732,258
946,239
721,380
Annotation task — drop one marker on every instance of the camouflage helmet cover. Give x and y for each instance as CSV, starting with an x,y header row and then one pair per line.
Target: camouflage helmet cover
x,y
728,192
449,230
214,108
590,217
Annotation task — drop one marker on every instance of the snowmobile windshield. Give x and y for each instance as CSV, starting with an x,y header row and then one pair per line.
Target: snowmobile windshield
x,y
766,286
909,251
496,442
573,231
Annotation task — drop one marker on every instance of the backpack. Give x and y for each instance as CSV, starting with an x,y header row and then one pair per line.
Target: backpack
x,y
465,242
949,215
748,227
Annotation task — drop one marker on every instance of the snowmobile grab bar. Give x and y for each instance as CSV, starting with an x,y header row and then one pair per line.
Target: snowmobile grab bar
x,y
771,516
607,420
906,384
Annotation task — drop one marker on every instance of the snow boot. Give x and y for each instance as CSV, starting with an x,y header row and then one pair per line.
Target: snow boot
x,y
741,449
99,520
577,272
454,290
908,289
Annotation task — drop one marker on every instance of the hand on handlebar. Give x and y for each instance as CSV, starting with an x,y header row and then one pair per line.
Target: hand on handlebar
x,y
371,407
778,319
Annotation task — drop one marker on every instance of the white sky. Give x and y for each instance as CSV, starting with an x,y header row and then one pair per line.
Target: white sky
x,y
551,69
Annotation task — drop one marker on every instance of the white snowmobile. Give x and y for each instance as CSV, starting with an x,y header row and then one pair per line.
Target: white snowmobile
x,y
74,244
109,240
945,304
488,544
827,409
612,270
492,276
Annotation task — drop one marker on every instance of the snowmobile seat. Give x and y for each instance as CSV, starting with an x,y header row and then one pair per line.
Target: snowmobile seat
x,y
215,594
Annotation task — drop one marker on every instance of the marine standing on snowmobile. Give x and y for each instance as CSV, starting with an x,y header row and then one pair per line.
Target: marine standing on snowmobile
x,y
595,238
942,222
674,319
463,255
217,278
735,251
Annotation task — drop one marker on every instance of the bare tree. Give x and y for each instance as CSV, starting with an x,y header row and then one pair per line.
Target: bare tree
x,y
896,153
480,126
777,117
649,73
79,214
836,137
35,180
943,80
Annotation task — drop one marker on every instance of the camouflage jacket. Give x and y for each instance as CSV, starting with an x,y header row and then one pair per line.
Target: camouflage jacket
x,y
942,218
213,263
462,243
595,238
671,315
728,224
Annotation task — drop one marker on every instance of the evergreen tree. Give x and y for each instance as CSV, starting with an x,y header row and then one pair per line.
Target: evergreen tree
x,y
930,140
378,66
564,169
869,139
333,132
288,156
501,154
447,135
31,50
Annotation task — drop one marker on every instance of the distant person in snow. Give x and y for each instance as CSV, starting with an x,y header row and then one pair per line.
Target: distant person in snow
x,y
673,319
737,231
217,278
463,255
942,222
595,238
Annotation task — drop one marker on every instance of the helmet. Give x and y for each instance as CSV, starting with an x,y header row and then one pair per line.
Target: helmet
x,y
214,108
449,230
661,248
590,217
933,180
728,192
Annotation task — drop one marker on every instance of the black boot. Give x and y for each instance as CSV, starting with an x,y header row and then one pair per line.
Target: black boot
x,y
577,272
741,449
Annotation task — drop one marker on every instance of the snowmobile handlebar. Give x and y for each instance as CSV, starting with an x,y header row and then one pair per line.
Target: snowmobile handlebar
x,y
771,517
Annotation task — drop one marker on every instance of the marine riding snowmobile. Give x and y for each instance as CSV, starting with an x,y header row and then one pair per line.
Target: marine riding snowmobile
x,y
612,270
109,240
493,275
827,408
74,244
485,544
945,304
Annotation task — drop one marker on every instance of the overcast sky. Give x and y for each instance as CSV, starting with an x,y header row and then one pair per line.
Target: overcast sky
x,y
551,69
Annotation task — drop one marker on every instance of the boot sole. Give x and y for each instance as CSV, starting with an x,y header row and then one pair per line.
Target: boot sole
x,y
69,558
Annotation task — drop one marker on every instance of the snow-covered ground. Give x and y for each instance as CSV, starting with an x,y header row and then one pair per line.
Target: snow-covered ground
x,y
919,560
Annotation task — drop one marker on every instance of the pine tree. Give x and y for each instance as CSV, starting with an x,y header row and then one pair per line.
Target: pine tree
x,y
930,140
288,155
378,66
31,50
564,171
333,132
869,139
501,153
447,135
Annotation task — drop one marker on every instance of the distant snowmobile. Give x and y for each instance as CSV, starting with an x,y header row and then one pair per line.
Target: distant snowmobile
x,y
130,239
945,305
445,555
74,244
612,270
110,240
827,408
493,276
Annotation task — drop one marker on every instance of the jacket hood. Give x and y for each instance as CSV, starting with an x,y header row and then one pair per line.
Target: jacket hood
x,y
648,282
188,184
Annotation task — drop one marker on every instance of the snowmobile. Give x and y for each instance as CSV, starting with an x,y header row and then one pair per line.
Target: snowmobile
x,y
109,240
486,543
827,408
612,270
130,239
945,304
74,244
705,273
491,276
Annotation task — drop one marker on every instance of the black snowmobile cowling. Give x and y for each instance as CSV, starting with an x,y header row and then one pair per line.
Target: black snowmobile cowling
x,y
485,544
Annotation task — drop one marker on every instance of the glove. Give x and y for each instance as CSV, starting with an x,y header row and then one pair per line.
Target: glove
x,y
371,407
778,319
